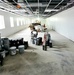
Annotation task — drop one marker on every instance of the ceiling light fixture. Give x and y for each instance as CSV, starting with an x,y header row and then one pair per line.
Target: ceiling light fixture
x,y
21,10
47,5
49,10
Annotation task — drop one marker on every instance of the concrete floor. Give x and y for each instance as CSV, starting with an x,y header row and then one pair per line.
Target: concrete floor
x,y
58,60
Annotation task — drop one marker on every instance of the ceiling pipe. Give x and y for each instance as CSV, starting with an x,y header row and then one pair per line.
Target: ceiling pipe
x,y
47,6
23,5
57,5
64,8
6,6
29,7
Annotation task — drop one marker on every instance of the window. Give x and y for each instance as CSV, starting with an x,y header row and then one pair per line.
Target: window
x,y
11,21
21,21
2,24
17,21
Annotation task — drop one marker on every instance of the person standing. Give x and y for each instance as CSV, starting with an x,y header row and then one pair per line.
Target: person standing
x,y
34,34
44,40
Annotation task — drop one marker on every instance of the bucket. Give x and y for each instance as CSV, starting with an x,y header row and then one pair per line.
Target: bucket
x,y
12,50
21,48
2,52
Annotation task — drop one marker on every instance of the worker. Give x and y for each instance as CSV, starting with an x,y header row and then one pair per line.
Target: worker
x,y
34,34
44,40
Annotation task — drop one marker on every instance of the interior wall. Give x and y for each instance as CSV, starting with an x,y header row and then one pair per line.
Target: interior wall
x,y
8,30
63,23
43,21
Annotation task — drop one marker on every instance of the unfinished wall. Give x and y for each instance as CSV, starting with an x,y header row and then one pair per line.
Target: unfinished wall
x,y
8,30
63,23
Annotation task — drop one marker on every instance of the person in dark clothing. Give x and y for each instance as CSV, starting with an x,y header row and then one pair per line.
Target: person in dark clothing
x,y
34,34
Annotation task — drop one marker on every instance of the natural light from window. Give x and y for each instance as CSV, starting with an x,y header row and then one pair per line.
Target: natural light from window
x,y
17,21
11,22
2,24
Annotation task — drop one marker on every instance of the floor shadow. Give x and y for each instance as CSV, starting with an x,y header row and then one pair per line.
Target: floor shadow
x,y
59,45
